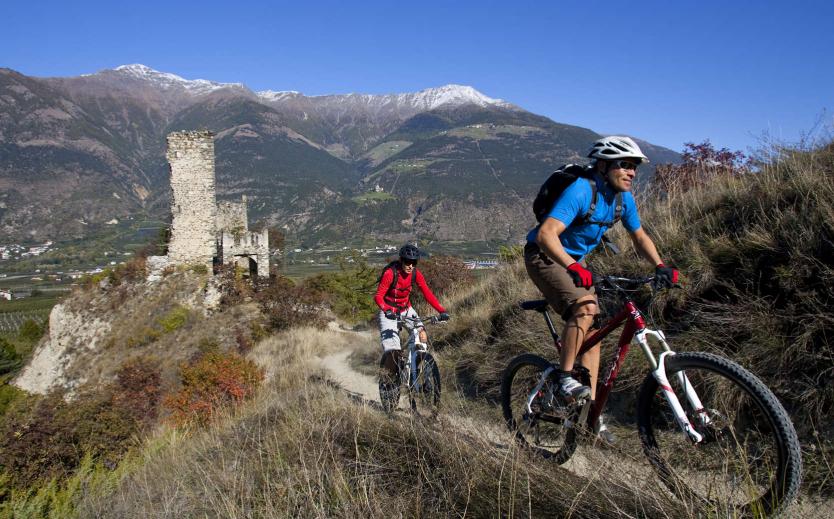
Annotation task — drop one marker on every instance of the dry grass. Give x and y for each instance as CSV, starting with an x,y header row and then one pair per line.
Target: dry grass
x,y
303,449
756,252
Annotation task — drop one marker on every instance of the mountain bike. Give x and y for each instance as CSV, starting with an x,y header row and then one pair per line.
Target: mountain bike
x,y
416,370
714,433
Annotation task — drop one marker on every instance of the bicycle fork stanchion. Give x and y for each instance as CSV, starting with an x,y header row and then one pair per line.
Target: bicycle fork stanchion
x,y
659,374
414,345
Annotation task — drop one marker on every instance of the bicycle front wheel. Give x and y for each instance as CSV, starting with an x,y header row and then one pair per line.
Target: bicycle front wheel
x,y
539,418
389,384
749,461
425,390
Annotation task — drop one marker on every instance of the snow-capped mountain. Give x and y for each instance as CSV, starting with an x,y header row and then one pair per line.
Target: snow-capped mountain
x,y
166,80
432,98
278,95
424,100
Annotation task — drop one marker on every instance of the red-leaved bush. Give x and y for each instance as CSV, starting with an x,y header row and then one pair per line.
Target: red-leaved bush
x,y
211,383
445,273
701,164
138,389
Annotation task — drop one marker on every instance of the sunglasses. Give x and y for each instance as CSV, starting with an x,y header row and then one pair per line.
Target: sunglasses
x,y
409,262
625,164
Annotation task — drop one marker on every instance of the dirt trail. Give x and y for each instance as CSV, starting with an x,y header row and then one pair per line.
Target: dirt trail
x,y
365,387
340,371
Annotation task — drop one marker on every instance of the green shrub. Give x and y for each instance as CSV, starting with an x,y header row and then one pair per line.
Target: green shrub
x,y
31,331
9,358
199,269
174,319
511,253
349,291
8,395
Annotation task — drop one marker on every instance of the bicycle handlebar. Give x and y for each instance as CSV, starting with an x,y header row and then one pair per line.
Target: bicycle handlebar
x,y
421,320
613,283
613,280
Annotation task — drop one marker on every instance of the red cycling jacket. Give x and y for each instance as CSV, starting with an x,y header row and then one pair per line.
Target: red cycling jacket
x,y
397,299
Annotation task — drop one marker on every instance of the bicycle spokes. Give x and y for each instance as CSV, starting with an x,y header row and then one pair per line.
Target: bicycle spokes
x,y
736,460
534,410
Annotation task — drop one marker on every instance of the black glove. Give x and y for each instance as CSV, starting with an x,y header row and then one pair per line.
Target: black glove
x,y
665,277
389,314
443,316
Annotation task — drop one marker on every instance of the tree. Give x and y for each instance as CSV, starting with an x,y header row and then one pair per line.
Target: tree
x,y
701,164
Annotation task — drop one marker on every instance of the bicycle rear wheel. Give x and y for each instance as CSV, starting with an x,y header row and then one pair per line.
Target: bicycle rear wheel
x,y
424,393
549,426
748,463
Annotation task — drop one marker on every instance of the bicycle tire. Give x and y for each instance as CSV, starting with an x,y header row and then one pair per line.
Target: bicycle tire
x,y
389,387
749,463
551,432
424,396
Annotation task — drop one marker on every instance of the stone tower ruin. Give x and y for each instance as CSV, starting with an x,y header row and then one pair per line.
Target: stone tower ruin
x,y
204,232
193,206
236,244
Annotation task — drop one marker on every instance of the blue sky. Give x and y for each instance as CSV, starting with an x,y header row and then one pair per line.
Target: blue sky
x,y
667,72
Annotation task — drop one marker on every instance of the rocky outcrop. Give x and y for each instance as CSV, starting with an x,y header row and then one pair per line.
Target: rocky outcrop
x,y
69,333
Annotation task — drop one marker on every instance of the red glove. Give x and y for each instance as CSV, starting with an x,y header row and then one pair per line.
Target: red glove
x,y
582,277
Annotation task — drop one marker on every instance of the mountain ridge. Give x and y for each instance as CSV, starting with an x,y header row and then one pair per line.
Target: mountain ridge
x,y
304,161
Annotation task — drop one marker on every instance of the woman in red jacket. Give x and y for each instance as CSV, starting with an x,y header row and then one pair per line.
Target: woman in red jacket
x,y
392,298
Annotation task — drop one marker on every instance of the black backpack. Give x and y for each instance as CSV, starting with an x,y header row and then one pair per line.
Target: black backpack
x,y
559,181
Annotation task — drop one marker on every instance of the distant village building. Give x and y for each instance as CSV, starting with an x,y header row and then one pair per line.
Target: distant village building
x,y
6,294
378,189
203,231
480,264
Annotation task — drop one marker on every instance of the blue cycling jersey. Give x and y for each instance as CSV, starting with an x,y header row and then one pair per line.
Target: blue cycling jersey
x,y
578,240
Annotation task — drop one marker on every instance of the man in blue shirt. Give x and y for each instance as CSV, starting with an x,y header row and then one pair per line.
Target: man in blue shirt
x,y
556,249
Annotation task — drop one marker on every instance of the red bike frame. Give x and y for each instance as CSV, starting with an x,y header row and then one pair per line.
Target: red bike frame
x,y
634,323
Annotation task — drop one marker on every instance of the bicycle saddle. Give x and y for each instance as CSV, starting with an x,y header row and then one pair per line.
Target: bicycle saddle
x,y
538,305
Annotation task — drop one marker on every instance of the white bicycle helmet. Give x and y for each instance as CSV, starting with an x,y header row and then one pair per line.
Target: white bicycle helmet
x,y
616,147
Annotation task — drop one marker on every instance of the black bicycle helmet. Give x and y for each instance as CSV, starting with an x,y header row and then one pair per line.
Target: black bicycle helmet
x,y
409,252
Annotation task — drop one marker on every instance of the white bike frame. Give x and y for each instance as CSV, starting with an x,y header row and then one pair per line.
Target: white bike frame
x,y
413,325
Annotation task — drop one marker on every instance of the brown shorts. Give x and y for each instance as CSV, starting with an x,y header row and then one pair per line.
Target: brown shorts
x,y
553,280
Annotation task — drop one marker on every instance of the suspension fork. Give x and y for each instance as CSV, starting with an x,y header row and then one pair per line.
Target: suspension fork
x,y
413,344
683,379
659,374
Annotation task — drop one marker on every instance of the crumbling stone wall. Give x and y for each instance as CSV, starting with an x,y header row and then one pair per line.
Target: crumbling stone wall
x,y
193,204
232,216
240,247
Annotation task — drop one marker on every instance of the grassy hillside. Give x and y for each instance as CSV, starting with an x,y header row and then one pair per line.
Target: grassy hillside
x,y
757,256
